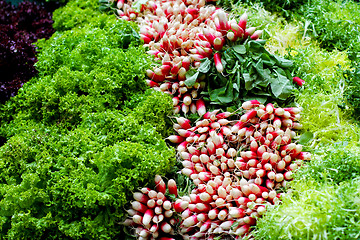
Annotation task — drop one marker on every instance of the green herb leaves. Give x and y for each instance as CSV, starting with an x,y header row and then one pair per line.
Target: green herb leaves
x,y
249,69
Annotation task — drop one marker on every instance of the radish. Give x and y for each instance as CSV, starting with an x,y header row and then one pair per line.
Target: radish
x,y
151,203
185,133
200,106
226,225
218,43
224,26
182,147
257,34
140,197
175,139
139,206
218,64
265,160
160,196
231,36
213,213
144,233
298,81
160,186
238,31
288,175
180,206
304,156
201,207
236,212
131,212
165,227
293,110
211,115
248,115
190,221
145,190
137,219
172,187
243,21
167,205
223,214
206,225
184,123
201,217
148,215
151,83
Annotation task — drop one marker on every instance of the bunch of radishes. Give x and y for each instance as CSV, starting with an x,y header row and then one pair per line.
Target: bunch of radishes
x,y
152,214
237,166
180,33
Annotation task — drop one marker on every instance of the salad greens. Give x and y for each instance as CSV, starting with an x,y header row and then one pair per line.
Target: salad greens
x,y
250,72
314,211
82,136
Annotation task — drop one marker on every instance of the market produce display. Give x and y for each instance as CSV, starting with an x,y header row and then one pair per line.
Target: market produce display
x,y
20,27
82,136
187,120
184,36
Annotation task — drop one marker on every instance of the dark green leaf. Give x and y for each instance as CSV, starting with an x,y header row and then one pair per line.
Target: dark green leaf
x,y
191,77
239,57
241,49
205,65
261,99
227,55
248,81
268,59
282,62
281,87
235,69
256,46
222,95
104,7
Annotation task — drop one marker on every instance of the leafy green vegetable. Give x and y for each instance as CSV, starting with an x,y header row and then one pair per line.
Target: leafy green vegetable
x,y
352,93
76,183
336,24
314,211
83,70
82,136
323,97
333,164
249,69
78,13
284,8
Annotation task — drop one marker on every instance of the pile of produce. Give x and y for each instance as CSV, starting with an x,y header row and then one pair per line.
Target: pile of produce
x,y
200,49
82,136
20,27
235,165
184,119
